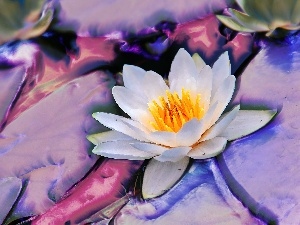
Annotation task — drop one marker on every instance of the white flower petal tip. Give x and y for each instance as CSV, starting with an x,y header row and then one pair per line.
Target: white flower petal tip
x,y
107,136
96,115
160,177
247,122
198,62
208,149
132,77
92,139
121,150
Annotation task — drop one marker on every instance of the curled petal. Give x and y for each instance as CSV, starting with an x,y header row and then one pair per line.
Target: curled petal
x,y
208,149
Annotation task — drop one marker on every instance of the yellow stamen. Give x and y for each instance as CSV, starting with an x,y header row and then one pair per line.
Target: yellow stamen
x,y
171,112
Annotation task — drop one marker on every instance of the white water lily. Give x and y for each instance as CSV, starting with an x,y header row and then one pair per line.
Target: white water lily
x,y
183,118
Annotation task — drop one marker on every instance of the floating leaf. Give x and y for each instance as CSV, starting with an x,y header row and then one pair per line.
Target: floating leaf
x,y
10,84
50,145
21,19
10,188
201,197
271,16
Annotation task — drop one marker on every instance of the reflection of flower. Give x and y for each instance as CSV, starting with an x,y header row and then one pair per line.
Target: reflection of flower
x,y
264,16
184,118
22,20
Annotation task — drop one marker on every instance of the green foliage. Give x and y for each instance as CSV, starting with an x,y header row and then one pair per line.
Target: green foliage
x,y
264,16
23,19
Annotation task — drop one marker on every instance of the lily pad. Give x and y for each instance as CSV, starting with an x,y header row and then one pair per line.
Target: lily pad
x,y
10,188
263,169
20,19
10,84
200,197
48,142
136,16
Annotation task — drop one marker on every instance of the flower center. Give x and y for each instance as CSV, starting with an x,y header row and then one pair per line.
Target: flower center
x,y
172,112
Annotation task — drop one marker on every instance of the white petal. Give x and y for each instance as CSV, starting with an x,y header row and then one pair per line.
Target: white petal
x,y
207,118
121,150
208,149
246,122
221,125
111,135
190,133
221,70
154,86
183,71
132,104
149,147
133,78
204,86
159,177
163,138
120,124
173,154
223,96
198,62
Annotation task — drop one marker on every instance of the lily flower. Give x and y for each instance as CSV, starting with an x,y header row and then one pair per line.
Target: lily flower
x,y
184,117
264,16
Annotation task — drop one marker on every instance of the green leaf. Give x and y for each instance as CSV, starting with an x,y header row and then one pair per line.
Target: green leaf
x,y
281,10
21,19
248,21
159,177
295,13
257,9
233,24
39,27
